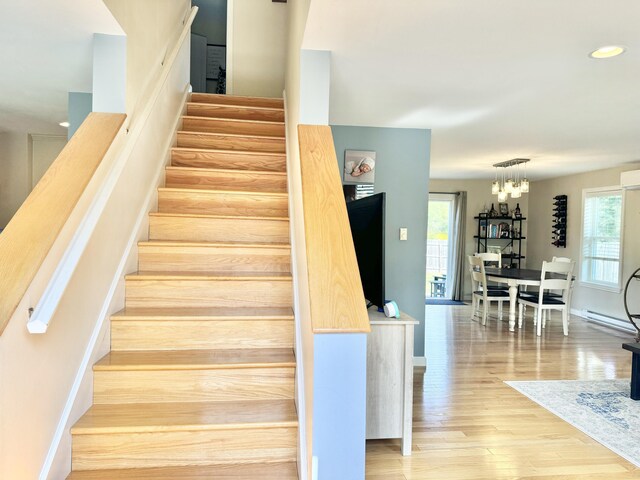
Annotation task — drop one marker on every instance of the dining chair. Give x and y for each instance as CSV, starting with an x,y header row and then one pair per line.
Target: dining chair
x,y
542,301
546,313
480,291
496,260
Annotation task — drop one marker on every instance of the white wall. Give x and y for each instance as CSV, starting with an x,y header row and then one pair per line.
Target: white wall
x,y
109,73
15,181
297,19
540,248
257,46
479,196
150,26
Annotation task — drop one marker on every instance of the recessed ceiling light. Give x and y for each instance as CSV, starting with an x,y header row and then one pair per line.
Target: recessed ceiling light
x,y
608,51
64,124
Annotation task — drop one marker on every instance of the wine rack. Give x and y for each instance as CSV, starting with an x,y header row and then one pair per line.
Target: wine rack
x,y
559,221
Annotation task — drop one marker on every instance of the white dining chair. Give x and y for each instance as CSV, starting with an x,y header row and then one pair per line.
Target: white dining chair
x,y
496,260
546,313
480,291
542,301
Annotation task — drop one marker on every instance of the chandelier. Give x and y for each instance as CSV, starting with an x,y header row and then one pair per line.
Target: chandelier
x,y
508,180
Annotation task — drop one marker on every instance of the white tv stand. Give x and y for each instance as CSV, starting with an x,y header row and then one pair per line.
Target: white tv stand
x,y
390,378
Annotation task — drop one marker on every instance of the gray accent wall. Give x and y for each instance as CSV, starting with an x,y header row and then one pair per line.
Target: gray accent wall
x,y
402,171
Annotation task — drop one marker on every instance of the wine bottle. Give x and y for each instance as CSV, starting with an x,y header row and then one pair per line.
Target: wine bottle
x,y
493,212
517,210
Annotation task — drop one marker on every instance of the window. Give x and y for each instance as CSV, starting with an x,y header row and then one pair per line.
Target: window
x,y
602,211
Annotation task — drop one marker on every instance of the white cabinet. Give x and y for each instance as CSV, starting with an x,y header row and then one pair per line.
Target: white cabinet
x,y
390,378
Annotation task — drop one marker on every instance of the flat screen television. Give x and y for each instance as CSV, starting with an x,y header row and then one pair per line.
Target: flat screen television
x,y
366,217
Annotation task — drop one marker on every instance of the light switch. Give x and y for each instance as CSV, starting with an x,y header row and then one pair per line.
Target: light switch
x,y
403,234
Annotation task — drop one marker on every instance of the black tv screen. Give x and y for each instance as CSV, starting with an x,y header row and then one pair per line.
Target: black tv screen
x,y
366,217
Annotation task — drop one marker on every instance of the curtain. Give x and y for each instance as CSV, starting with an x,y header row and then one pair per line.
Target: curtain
x,y
458,246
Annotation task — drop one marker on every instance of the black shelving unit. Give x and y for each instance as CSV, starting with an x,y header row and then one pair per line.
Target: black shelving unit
x,y
559,221
503,232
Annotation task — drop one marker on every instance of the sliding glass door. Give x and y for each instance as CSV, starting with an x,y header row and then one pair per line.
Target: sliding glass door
x,y
439,245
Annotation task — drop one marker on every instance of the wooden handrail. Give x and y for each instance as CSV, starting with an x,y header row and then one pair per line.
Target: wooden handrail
x,y
29,236
335,290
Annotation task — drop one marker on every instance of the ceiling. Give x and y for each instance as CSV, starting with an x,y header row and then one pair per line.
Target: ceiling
x,y
494,80
46,52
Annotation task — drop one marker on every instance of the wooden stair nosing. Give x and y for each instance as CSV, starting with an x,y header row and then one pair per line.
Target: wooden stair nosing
x,y
213,191
186,416
235,111
222,217
214,276
195,313
196,359
187,243
229,152
239,107
243,121
239,143
233,136
232,100
262,471
226,171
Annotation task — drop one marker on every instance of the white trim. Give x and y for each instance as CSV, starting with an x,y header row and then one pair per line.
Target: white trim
x,y
229,49
303,454
604,320
419,361
586,283
56,286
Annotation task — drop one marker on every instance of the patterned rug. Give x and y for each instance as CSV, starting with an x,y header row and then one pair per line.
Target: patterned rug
x,y
601,409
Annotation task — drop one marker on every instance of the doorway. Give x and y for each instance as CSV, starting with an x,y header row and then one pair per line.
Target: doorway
x,y
440,246
209,47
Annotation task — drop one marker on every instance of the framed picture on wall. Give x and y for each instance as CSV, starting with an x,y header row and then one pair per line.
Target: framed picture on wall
x,y
503,209
359,167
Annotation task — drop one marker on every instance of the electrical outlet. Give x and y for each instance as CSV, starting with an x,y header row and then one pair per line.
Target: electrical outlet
x,y
403,233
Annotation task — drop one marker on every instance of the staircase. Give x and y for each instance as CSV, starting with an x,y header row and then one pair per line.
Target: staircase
x,y
199,382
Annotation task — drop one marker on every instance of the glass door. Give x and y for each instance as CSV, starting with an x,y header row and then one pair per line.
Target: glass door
x,y
439,245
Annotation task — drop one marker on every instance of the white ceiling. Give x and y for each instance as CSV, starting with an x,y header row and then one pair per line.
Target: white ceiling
x,y
493,79
46,52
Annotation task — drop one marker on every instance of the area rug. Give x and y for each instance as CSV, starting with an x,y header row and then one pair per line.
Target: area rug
x,y
601,409
442,301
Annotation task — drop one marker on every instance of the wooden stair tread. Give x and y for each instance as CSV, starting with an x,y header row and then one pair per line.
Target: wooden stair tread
x,y
188,243
197,359
205,313
208,276
186,416
231,105
231,152
202,215
255,471
236,136
248,100
211,190
241,121
225,170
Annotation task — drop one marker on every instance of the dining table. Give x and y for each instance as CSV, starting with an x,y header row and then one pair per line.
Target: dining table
x,y
515,277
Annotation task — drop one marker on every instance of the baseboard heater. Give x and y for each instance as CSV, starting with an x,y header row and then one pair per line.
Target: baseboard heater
x,y
607,320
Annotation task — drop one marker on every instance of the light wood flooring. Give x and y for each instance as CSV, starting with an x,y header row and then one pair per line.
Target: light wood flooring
x,y
468,424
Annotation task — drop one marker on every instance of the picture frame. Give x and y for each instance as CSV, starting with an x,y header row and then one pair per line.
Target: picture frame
x,y
216,57
359,167
503,209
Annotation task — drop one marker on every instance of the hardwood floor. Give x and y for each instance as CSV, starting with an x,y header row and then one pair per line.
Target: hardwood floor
x,y
468,424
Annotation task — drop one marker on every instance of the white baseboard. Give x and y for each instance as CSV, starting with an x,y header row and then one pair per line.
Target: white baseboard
x,y
604,320
419,361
